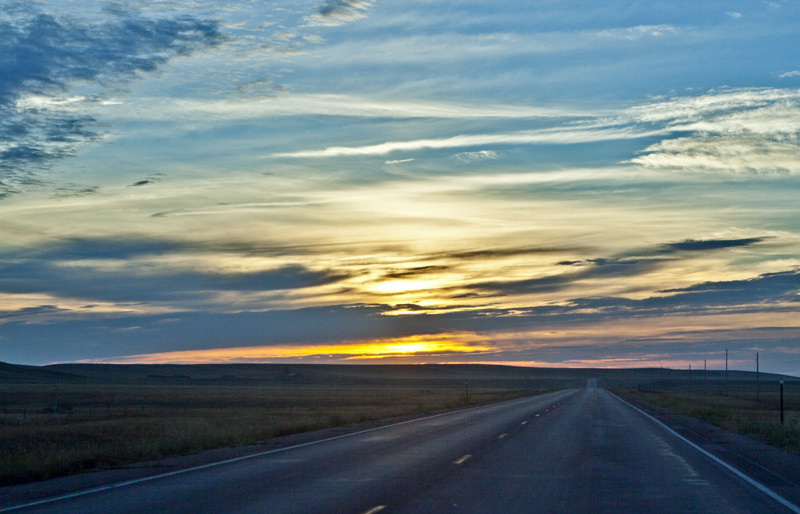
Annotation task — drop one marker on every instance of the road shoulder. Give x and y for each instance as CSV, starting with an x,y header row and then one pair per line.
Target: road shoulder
x,y
773,468
35,491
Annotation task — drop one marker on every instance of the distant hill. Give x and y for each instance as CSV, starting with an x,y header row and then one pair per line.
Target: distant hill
x,y
445,375
19,374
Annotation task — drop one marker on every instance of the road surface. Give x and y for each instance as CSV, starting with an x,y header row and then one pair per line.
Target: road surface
x,y
573,451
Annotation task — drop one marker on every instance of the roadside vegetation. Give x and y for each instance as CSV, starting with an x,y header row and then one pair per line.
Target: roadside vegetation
x,y
71,418
745,409
50,430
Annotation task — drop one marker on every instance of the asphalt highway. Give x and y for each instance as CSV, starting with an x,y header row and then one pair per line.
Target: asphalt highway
x,y
574,451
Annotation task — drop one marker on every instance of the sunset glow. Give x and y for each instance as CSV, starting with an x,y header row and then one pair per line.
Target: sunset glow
x,y
409,349
555,184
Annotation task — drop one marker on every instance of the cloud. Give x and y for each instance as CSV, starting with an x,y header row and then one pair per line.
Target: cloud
x,y
152,179
416,272
746,131
717,107
481,155
739,131
706,312
153,271
693,245
348,105
495,253
75,191
630,264
339,12
469,47
565,136
128,274
44,56
596,268
755,293
744,154
176,331
639,32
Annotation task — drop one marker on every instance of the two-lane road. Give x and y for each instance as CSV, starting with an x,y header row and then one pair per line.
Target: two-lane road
x,y
572,451
593,455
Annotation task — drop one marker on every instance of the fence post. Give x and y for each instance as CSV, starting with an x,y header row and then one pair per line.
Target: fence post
x,y
781,383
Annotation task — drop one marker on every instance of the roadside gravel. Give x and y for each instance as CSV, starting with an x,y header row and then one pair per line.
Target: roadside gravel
x,y
773,468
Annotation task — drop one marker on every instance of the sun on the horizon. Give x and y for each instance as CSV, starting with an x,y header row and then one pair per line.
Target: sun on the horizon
x,y
376,349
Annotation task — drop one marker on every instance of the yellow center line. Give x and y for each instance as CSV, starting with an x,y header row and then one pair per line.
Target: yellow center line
x,y
463,459
501,436
373,510
524,423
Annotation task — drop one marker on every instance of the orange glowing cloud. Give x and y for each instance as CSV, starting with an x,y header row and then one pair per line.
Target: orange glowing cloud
x,y
377,349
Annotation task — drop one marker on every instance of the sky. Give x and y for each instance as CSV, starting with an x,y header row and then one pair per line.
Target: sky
x,y
566,184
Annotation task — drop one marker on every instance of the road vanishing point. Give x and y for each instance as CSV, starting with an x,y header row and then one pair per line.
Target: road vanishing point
x,y
571,451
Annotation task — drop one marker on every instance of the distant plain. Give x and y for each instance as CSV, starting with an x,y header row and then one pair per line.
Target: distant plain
x,y
66,419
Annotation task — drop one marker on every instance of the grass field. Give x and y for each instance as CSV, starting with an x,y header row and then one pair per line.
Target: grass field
x,y
108,417
742,407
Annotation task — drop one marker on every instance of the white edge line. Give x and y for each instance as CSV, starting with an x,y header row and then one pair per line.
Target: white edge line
x,y
758,485
135,481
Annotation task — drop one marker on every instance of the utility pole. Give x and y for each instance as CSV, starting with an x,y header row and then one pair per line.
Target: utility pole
x,y
705,375
758,381
781,383
690,378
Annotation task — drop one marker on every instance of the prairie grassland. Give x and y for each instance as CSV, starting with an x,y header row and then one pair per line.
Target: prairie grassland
x,y
739,411
49,430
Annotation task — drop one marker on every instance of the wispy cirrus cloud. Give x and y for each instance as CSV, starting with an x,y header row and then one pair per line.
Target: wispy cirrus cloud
x,y
480,155
566,135
746,131
347,105
741,154
449,47
47,55
741,131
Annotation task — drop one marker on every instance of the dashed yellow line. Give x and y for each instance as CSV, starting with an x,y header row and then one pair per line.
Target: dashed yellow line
x,y
463,459
373,510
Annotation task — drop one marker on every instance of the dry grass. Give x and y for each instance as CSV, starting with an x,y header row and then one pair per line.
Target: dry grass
x,y
742,414
54,430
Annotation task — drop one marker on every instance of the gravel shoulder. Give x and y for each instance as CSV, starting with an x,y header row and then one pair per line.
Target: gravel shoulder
x,y
773,468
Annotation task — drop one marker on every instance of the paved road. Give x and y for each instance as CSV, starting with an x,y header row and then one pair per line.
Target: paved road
x,y
576,451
